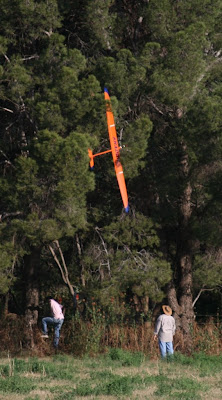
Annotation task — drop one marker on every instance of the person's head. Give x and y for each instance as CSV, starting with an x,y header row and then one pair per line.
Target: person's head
x,y
167,310
48,298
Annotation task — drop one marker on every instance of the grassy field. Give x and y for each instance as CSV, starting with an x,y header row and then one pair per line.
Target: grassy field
x,y
116,375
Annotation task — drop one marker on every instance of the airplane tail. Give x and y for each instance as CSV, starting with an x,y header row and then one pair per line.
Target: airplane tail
x,y
91,162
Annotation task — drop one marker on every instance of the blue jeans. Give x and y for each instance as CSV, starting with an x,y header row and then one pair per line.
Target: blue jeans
x,y
166,348
57,323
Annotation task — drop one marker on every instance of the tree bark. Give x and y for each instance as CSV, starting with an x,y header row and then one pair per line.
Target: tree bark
x,y
180,290
79,248
173,303
185,297
31,273
185,260
145,306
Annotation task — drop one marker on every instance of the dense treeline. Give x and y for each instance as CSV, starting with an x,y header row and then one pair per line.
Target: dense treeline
x,y
63,228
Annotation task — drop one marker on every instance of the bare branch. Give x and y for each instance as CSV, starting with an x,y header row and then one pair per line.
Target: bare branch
x,y
7,159
79,249
30,57
78,246
48,33
201,290
155,107
6,215
202,76
58,263
105,249
66,274
6,57
7,109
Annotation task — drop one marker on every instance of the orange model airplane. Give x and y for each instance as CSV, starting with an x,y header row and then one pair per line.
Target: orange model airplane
x,y
114,150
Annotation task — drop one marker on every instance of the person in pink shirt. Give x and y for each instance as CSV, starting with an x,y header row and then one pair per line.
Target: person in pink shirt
x,y
56,320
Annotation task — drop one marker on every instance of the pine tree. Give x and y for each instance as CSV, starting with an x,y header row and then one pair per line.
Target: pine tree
x,y
44,142
161,63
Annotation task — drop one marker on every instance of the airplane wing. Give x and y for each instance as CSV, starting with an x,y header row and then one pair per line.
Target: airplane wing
x,y
115,151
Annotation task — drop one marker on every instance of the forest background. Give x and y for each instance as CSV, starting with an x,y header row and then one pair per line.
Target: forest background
x,y
63,229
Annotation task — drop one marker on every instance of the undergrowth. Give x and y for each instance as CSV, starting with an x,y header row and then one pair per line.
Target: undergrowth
x,y
79,337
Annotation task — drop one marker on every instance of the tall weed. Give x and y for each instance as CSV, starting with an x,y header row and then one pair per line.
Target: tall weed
x,y
98,331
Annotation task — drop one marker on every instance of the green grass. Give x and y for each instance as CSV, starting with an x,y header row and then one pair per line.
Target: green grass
x,y
207,365
116,375
16,384
126,358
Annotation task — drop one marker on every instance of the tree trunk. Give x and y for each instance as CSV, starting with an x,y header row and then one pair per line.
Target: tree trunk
x,y
5,307
145,307
31,273
173,303
185,260
79,248
181,299
185,298
145,304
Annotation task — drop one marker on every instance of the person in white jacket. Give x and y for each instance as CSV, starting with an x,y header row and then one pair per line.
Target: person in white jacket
x,y
165,328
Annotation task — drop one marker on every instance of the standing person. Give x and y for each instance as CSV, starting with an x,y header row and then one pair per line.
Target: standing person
x,y
165,329
56,320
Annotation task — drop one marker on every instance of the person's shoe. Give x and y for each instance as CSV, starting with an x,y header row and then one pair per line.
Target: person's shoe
x,y
44,335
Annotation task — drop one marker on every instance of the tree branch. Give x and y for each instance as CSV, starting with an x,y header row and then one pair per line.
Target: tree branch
x,y
199,294
105,249
30,57
63,268
7,109
58,263
6,215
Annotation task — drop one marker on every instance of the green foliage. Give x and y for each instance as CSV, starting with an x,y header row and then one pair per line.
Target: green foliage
x,y
27,22
17,384
126,358
206,365
49,186
149,54
160,60
115,385
121,75
19,79
105,377
136,137
175,79
7,260
136,260
160,18
203,126
207,271
50,369
69,395
188,389
99,22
